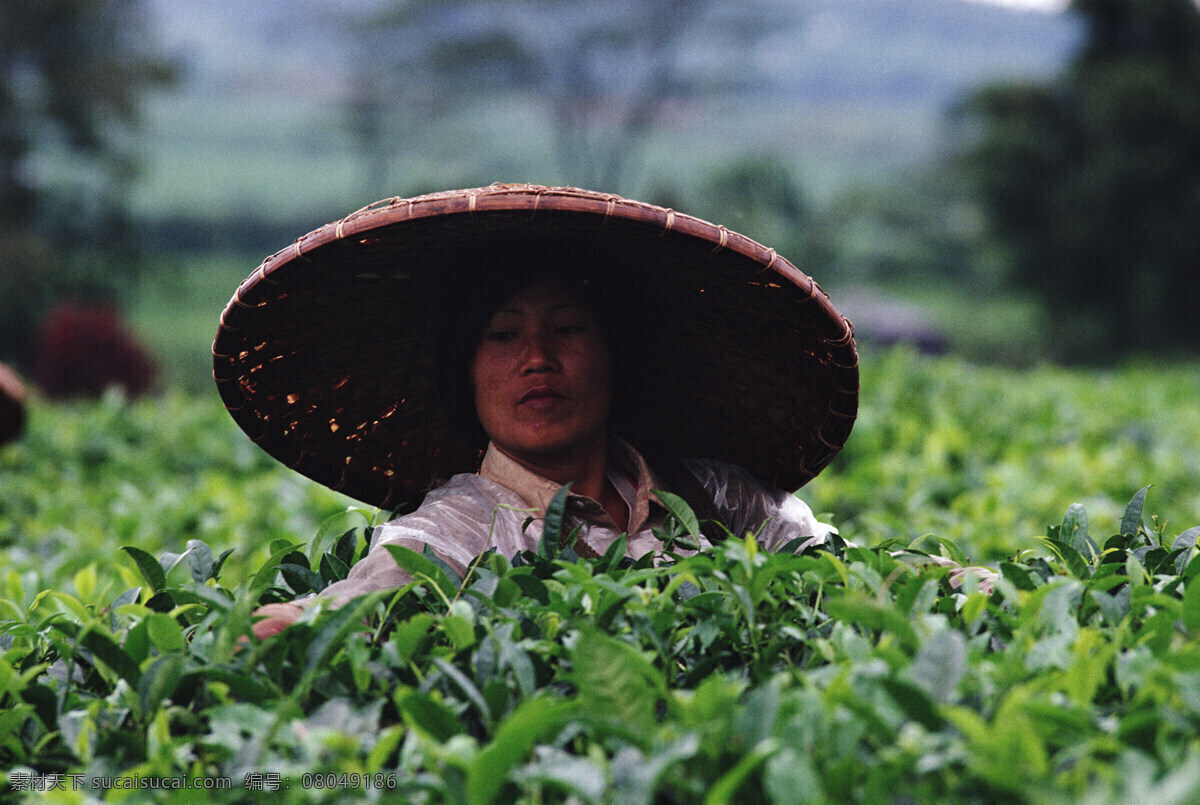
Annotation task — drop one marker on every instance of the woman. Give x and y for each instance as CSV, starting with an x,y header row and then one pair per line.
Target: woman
x,y
360,357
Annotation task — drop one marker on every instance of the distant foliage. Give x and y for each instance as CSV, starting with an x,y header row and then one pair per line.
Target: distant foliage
x,y
72,73
1092,181
82,350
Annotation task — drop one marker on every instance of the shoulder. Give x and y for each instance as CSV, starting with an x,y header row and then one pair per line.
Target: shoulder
x,y
748,503
467,506
719,476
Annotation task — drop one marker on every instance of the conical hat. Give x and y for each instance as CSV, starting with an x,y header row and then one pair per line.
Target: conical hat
x,y
326,355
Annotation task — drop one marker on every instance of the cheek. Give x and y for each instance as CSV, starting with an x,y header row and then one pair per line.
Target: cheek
x,y
600,373
480,375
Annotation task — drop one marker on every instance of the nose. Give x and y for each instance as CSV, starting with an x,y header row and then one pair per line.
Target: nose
x,y
539,354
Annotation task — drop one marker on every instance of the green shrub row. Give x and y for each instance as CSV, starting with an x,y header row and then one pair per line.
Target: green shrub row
x,y
137,538
849,674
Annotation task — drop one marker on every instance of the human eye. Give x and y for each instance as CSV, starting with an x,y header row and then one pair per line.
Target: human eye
x,y
500,336
572,322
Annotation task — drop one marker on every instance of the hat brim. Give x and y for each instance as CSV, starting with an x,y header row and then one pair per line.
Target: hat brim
x,y
326,355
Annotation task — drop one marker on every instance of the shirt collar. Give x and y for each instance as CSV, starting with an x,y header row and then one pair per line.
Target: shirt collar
x,y
537,491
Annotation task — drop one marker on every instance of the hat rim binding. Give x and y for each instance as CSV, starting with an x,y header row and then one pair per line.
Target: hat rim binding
x,y
253,369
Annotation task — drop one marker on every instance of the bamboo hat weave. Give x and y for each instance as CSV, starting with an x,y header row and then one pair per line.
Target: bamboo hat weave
x,y
326,354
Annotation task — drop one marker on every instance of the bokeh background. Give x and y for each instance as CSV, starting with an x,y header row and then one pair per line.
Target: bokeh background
x,y
1015,183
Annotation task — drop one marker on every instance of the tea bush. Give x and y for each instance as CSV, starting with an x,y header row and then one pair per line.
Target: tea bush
x,y
139,538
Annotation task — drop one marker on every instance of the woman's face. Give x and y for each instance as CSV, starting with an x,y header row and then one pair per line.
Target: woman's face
x,y
542,374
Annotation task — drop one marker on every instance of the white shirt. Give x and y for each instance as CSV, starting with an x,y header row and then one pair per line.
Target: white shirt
x,y
503,506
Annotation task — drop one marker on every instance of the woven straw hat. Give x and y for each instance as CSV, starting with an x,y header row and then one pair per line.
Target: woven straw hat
x,y
326,355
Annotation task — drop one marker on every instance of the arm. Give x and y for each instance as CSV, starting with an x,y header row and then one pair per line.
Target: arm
x,y
747,504
457,522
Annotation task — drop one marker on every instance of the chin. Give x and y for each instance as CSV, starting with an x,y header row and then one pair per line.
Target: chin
x,y
552,444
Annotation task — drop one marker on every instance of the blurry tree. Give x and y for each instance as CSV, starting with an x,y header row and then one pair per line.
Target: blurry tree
x,y
600,74
1092,182
71,72
760,196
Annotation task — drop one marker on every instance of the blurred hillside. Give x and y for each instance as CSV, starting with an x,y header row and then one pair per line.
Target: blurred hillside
x,y
833,111
842,89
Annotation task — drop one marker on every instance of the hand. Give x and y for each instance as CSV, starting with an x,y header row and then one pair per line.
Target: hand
x,y
275,618
987,577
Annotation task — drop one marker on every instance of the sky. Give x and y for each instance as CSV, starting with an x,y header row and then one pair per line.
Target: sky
x,y
1036,5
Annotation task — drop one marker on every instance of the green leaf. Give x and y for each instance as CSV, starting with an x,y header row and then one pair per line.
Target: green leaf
x,y
1075,563
160,681
149,567
220,563
469,689
333,568
534,720
266,574
1185,543
873,616
724,789
459,624
940,664
614,554
408,636
1018,576
1075,533
556,769
164,632
344,549
200,559
678,508
334,530
245,686
914,703
791,777
552,525
1191,605
300,578
332,628
426,714
1131,521
532,586
137,642
423,570
105,649
615,682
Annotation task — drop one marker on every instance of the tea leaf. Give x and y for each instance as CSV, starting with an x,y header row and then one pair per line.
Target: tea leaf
x,y
1185,543
552,526
615,682
149,567
539,718
1075,533
1191,605
678,508
160,681
422,569
200,559
424,713
164,632
1131,521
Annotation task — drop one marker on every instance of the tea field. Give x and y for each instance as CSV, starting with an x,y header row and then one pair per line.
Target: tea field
x,y
137,537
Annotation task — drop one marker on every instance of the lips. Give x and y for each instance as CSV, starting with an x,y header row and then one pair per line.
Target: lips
x,y
540,395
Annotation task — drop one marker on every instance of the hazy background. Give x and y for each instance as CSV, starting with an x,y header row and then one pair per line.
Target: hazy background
x,y
833,130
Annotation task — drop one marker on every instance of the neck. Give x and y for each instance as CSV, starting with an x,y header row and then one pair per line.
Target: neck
x,y
582,466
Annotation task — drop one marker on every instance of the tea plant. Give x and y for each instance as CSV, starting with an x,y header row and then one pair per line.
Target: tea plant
x,y
737,675
136,539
